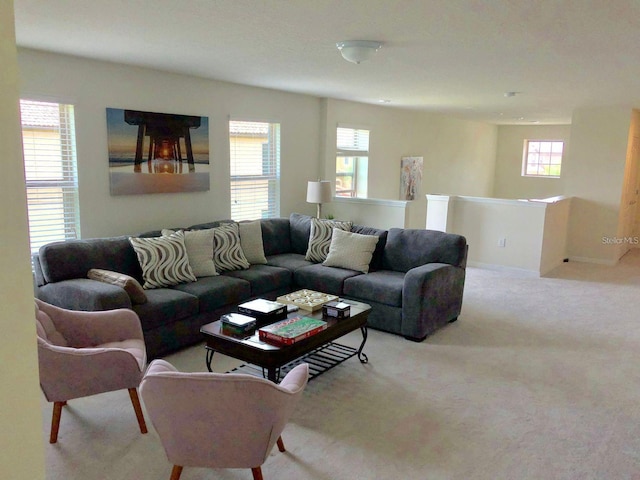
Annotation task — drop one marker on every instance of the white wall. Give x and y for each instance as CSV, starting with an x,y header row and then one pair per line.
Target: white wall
x,y
509,182
93,86
483,221
459,155
370,212
594,175
529,235
21,441
555,234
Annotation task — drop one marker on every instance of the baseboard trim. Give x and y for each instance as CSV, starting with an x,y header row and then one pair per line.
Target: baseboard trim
x,y
599,261
504,268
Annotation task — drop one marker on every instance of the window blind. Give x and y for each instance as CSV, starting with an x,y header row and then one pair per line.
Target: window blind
x,y
355,141
255,170
352,157
49,147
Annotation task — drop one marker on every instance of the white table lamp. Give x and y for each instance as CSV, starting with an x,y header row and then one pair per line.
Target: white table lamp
x,y
319,192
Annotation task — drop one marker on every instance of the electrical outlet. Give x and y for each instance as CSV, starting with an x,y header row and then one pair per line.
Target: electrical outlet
x,y
502,242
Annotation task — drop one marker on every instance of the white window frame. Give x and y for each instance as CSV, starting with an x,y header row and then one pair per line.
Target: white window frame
x,y
250,169
356,152
51,172
544,161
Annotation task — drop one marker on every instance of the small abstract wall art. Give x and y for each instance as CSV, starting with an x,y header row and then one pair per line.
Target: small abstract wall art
x,y
410,177
157,152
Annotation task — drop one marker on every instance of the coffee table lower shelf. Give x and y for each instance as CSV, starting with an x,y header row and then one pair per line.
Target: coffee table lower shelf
x,y
320,360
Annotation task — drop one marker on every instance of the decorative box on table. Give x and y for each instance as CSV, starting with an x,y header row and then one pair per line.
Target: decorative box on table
x,y
336,310
237,324
264,311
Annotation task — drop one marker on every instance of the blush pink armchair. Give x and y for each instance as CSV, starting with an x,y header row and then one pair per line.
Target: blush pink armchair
x,y
86,353
214,420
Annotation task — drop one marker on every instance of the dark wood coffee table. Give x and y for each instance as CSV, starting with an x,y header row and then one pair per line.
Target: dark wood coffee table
x,y
272,358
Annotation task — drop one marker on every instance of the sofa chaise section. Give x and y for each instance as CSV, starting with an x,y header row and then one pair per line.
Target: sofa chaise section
x,y
420,286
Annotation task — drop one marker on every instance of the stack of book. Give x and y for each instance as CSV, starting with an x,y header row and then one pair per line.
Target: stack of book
x,y
264,311
237,324
291,330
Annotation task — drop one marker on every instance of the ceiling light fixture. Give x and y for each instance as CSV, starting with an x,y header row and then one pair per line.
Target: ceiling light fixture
x,y
358,51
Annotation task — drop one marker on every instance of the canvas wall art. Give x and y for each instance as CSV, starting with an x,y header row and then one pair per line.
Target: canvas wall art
x,y
157,152
410,177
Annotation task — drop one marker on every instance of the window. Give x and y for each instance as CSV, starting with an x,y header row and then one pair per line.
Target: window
x,y
352,162
49,146
255,170
542,158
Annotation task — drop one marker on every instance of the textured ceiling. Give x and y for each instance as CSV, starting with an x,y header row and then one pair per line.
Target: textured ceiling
x,y
451,56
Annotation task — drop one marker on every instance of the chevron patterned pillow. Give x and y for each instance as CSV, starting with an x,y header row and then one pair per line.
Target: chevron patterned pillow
x,y
320,238
227,251
163,260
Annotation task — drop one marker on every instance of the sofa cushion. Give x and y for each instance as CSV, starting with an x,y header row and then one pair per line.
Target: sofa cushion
x,y
227,253
409,248
165,306
320,238
351,250
74,258
300,230
290,261
376,259
215,292
129,284
322,279
276,236
251,242
163,260
383,287
264,278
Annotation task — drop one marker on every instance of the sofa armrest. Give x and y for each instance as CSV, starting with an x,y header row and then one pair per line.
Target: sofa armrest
x,y
431,297
84,294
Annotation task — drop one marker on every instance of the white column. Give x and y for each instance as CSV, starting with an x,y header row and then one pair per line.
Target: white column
x,y
440,212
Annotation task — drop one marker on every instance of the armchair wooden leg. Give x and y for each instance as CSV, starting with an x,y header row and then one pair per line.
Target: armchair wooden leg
x,y
257,473
176,472
133,393
55,421
281,445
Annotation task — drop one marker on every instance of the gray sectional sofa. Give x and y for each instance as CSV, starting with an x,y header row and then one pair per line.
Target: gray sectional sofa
x,y
414,284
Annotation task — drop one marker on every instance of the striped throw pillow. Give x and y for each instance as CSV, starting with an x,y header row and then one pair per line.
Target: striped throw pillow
x,y
227,251
163,260
320,238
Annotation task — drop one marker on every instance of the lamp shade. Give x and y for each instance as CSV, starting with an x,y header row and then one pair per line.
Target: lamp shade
x,y
319,191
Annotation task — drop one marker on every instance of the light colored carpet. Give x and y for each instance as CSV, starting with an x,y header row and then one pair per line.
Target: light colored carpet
x,y
538,379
